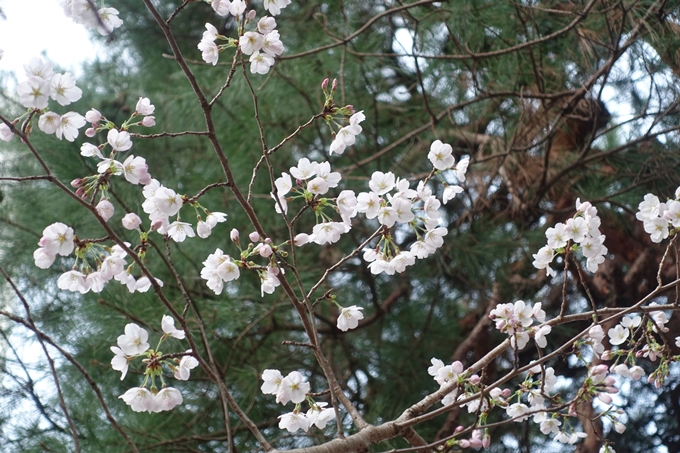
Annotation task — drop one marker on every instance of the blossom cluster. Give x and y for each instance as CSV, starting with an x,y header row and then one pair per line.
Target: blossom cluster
x,y
263,43
582,230
659,219
35,92
293,388
105,20
133,344
58,239
346,136
517,319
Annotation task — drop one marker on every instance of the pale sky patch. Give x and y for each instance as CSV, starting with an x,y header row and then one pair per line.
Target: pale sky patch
x,y
37,28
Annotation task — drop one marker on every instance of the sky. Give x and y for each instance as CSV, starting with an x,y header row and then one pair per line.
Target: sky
x,y
31,28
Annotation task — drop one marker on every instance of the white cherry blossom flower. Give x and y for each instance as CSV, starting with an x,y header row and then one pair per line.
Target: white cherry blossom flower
x,y
38,68
43,259
72,281
144,107
266,25
167,399
450,192
139,399
539,337
34,93
119,140
319,416
260,62
109,21
305,169
134,341
272,382
49,122
6,133
168,326
293,421
349,318
293,388
251,42
119,362
369,204
210,53
618,334
441,155
179,231
274,7
381,183
69,125
183,371
63,88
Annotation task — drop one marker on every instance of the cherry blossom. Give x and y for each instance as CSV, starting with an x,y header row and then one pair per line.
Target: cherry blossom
x,y
134,341
349,318
293,421
167,399
168,326
139,399
188,363
120,361
109,21
105,209
441,155
119,141
63,88
293,388
131,221
319,416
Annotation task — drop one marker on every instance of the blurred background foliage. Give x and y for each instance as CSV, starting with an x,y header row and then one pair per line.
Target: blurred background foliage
x,y
553,100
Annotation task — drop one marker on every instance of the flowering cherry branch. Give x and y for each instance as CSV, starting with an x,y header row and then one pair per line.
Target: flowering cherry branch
x,y
393,206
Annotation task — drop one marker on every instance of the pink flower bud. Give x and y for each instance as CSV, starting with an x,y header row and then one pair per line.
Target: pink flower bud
x,y
601,368
476,443
335,85
80,192
76,183
203,229
605,398
619,427
572,410
266,251
486,441
506,393
234,235
612,390
639,354
464,443
658,383
254,236
606,355
156,224
459,428
93,116
350,107
324,84
131,221
105,209
301,239
474,379
267,241
609,380
251,14
90,132
273,270
149,121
